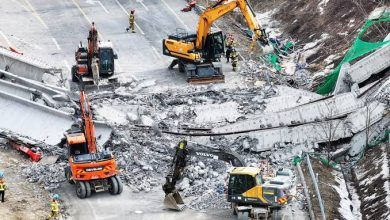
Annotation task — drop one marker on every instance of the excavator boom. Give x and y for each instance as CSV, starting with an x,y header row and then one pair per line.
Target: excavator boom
x,y
199,56
89,127
220,9
173,199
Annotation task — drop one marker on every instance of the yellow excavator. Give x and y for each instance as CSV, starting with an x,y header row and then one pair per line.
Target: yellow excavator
x,y
198,55
247,191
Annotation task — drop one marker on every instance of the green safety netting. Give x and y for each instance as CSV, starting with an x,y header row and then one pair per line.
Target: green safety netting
x,y
358,49
273,58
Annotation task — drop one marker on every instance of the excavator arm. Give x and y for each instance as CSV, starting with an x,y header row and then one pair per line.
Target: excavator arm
x,y
173,199
89,127
220,9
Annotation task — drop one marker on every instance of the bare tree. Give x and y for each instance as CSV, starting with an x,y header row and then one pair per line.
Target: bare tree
x,y
328,127
370,104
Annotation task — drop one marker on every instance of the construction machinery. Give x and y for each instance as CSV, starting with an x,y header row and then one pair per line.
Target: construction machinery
x,y
247,191
95,61
91,169
198,55
29,150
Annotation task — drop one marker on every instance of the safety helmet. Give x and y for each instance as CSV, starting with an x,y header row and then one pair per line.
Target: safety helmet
x,y
1,174
182,144
56,196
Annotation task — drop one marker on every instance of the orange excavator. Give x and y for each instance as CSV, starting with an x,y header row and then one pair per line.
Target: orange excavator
x,y
96,60
90,169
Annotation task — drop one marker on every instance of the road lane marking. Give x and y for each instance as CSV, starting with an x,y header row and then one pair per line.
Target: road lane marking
x,y
177,16
82,12
56,43
104,8
127,13
142,3
156,52
36,15
6,39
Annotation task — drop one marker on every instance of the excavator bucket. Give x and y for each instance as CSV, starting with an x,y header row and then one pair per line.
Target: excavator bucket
x,y
174,201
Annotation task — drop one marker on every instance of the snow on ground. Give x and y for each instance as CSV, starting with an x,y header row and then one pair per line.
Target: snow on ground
x,y
345,203
321,6
269,23
386,173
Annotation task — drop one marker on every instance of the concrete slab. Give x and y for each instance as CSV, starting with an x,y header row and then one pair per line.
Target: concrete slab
x,y
23,65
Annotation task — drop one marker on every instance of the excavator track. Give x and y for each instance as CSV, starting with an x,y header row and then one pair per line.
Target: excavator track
x,y
206,80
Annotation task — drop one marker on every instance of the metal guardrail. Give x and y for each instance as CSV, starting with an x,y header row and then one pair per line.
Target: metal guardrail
x,y
314,179
306,191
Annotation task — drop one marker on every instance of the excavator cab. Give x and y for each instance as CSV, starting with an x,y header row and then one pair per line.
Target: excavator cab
x,y
247,187
214,47
106,59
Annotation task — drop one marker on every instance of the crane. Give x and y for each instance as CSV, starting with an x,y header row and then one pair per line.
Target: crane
x,y
198,55
90,169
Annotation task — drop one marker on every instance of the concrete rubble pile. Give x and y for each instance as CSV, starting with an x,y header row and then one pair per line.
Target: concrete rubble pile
x,y
383,94
259,73
140,158
50,176
175,109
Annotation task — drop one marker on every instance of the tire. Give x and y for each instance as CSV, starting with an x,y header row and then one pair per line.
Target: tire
x,y
243,215
276,215
81,190
234,211
234,208
120,185
181,67
68,175
113,189
88,189
73,73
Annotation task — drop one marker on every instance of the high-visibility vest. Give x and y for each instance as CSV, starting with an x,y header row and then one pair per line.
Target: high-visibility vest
x,y
131,18
55,206
282,200
2,185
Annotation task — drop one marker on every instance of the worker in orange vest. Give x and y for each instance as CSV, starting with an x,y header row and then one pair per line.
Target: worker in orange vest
x,y
3,187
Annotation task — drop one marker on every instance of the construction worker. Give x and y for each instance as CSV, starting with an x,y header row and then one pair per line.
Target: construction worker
x,y
182,152
131,22
3,187
234,57
229,47
93,33
55,207
95,71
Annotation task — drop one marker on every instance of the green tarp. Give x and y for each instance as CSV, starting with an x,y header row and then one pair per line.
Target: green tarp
x,y
358,49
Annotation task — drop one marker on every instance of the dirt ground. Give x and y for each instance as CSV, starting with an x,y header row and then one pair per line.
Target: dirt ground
x,y
339,20
328,194
369,168
23,200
